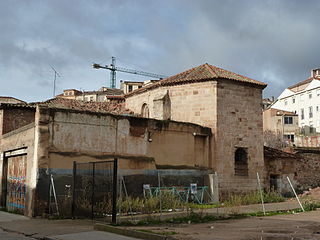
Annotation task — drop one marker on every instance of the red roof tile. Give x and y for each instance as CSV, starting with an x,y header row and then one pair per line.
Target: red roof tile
x,y
115,108
205,72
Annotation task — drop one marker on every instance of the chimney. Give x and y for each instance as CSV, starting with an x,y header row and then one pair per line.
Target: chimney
x,y
315,73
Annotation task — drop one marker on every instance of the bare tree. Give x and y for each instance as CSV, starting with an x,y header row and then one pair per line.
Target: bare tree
x,y
274,140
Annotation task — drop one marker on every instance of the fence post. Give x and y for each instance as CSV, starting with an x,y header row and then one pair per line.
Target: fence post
x,y
261,194
92,197
73,187
294,191
160,200
114,191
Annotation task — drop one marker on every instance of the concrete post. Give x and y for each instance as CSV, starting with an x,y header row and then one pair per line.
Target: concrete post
x,y
213,186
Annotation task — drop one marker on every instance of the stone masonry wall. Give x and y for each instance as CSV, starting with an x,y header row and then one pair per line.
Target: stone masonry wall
x,y
194,102
239,125
303,169
233,112
307,172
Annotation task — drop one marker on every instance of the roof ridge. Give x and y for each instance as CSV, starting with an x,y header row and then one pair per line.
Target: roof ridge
x,y
209,67
178,74
306,81
201,73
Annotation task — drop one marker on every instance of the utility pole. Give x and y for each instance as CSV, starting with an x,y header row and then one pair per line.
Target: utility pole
x,y
54,81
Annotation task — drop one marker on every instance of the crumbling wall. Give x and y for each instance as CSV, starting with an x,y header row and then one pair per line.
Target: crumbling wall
x,y
302,167
139,144
98,134
20,138
308,170
15,118
280,165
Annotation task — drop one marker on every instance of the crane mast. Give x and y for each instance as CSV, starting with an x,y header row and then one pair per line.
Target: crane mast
x,y
112,67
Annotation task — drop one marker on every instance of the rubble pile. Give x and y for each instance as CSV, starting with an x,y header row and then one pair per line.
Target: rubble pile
x,y
313,193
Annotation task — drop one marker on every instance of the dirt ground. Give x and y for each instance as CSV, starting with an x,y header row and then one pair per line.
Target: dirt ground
x,y
280,227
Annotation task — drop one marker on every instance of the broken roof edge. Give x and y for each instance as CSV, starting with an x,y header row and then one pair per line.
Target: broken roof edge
x,y
16,105
273,153
127,116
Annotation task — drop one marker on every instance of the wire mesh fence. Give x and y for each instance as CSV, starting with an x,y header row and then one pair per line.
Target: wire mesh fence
x,y
161,192
99,191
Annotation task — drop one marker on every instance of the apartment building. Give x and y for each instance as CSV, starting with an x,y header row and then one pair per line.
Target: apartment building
x,y
281,123
104,94
129,86
303,99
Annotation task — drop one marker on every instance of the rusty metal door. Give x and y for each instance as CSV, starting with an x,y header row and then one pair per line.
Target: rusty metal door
x,y
16,183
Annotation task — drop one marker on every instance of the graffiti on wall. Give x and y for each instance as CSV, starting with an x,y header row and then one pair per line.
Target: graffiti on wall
x,y
16,183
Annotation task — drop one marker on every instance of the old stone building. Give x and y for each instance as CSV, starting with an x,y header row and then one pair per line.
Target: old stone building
x,y
302,166
226,102
37,140
282,124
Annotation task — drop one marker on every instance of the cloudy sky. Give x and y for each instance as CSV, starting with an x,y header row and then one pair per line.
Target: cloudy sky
x,y
276,42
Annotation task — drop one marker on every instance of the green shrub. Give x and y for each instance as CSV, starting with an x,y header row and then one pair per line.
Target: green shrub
x,y
311,205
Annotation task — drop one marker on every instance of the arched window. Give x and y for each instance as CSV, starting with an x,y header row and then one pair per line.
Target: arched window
x,y
241,162
145,111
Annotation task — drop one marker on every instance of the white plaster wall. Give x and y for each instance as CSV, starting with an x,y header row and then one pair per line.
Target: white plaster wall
x,y
285,102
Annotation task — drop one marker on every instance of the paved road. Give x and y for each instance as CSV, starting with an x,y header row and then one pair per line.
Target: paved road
x,y
302,226
17,227
96,235
9,217
12,236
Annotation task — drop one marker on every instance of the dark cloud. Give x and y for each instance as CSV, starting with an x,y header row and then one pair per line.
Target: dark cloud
x,y
271,41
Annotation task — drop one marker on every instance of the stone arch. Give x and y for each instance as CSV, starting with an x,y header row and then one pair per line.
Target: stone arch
x,y
145,111
241,162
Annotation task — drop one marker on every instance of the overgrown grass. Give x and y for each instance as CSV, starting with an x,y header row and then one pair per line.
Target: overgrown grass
x,y
203,218
253,198
203,206
311,205
150,204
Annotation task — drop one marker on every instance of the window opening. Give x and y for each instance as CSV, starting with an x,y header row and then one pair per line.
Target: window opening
x,y
241,162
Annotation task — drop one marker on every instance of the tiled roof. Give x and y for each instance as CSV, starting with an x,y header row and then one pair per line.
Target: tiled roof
x,y
205,72
11,98
115,108
282,112
62,103
301,83
108,91
276,154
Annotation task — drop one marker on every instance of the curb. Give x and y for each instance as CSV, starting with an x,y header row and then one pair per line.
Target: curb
x,y
129,233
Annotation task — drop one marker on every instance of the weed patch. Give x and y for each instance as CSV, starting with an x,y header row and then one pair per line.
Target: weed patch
x,y
253,198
